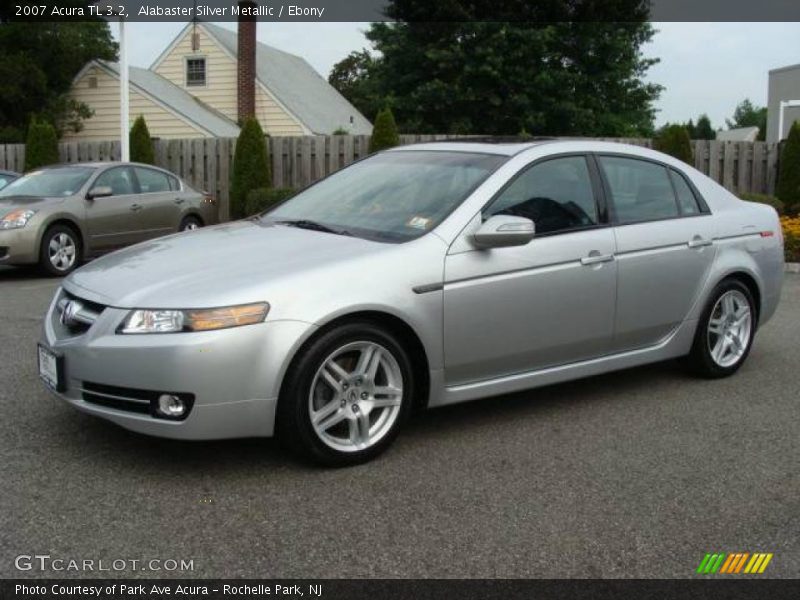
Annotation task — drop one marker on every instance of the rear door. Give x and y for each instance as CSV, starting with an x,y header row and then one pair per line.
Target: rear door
x,y
665,247
112,221
161,210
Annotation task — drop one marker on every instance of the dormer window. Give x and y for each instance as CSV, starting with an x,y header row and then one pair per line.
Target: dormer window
x,y
195,72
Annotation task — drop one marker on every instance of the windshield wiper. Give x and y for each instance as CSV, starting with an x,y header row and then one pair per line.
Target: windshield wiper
x,y
313,225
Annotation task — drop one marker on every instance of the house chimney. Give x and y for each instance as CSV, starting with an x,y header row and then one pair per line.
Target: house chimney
x,y
246,69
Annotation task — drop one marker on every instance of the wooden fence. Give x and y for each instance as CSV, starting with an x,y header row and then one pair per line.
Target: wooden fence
x,y
298,161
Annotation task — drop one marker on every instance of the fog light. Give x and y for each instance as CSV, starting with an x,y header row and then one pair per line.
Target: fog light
x,y
171,406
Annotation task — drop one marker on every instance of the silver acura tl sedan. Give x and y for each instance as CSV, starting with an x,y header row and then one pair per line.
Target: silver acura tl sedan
x,y
422,276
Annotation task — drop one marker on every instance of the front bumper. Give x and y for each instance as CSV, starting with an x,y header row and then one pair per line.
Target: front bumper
x,y
19,246
234,374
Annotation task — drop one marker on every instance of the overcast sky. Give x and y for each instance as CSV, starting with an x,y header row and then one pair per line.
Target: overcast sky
x,y
705,67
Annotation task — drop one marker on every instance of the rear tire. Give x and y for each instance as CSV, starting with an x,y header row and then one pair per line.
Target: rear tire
x,y
725,331
346,395
60,251
190,223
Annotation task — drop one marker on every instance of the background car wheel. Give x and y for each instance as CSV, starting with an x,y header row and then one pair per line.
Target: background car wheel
x,y
60,251
190,223
346,395
725,331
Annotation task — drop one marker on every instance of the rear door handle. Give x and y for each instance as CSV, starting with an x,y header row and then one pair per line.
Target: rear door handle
x,y
594,259
698,242
179,200
136,207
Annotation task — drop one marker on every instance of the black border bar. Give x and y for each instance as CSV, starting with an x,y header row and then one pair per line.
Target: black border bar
x,y
434,11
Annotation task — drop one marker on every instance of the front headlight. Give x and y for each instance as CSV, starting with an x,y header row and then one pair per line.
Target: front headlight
x,y
207,319
16,218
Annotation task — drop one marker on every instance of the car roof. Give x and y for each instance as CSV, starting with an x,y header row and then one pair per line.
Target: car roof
x,y
499,146
104,164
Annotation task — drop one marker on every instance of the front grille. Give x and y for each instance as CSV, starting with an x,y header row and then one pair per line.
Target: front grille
x,y
130,399
76,314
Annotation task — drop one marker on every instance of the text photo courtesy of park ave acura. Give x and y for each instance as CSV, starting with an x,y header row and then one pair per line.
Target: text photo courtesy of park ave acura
x,y
392,299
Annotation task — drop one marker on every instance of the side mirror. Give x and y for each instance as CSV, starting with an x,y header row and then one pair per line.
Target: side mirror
x,y
99,192
501,231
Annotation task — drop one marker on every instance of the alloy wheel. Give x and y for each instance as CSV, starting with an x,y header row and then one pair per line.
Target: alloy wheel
x,y
729,328
355,396
62,251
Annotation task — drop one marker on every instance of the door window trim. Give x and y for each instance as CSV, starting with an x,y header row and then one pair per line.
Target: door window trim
x,y
705,211
131,173
598,192
139,185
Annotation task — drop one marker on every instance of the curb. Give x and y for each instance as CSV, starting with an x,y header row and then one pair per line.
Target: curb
x,y
792,267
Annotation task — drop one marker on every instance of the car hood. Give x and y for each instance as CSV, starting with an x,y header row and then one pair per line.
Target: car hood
x,y
9,203
227,264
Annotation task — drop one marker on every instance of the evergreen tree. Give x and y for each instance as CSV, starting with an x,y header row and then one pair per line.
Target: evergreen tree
x,y
140,143
251,168
384,133
674,140
41,147
788,190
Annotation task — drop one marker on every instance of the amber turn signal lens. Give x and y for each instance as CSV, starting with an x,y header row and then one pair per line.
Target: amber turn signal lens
x,y
230,316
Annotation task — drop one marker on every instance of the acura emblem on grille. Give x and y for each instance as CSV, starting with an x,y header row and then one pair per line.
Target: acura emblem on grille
x,y
70,310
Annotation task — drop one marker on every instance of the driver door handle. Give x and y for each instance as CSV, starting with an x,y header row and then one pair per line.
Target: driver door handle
x,y
596,258
136,207
179,200
698,242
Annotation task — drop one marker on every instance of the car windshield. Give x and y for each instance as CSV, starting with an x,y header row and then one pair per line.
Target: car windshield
x,y
393,196
51,183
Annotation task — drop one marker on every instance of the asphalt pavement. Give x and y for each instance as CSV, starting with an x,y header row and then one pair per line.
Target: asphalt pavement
x,y
631,474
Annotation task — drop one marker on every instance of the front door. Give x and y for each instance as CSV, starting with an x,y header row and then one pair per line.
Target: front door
x,y
114,221
550,302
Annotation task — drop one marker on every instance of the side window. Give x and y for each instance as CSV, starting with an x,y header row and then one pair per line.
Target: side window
x,y
151,181
686,197
556,195
118,179
174,184
195,72
641,190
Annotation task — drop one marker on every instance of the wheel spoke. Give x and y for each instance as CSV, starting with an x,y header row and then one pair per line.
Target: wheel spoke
x,y
719,349
335,370
328,416
715,326
386,396
331,379
359,430
54,245
368,361
737,342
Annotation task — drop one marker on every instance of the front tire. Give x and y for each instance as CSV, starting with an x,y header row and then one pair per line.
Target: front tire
x,y
725,331
346,395
60,251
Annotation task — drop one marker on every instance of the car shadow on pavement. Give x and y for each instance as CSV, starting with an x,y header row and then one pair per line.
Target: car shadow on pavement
x,y
21,273
166,458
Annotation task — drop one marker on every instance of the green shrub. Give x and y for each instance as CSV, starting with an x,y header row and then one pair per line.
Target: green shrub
x,y
764,199
340,131
261,199
41,147
788,189
250,166
674,140
384,133
140,143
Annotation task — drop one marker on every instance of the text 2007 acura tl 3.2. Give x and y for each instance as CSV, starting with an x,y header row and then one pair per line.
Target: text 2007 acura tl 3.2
x,y
422,276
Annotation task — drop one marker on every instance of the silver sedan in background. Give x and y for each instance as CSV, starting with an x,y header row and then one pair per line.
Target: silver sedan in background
x,y
422,276
60,215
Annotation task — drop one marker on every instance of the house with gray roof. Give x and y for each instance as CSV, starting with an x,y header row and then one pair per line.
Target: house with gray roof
x,y
191,90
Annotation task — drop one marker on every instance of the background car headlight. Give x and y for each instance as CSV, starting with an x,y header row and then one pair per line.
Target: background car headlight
x,y
16,218
175,321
